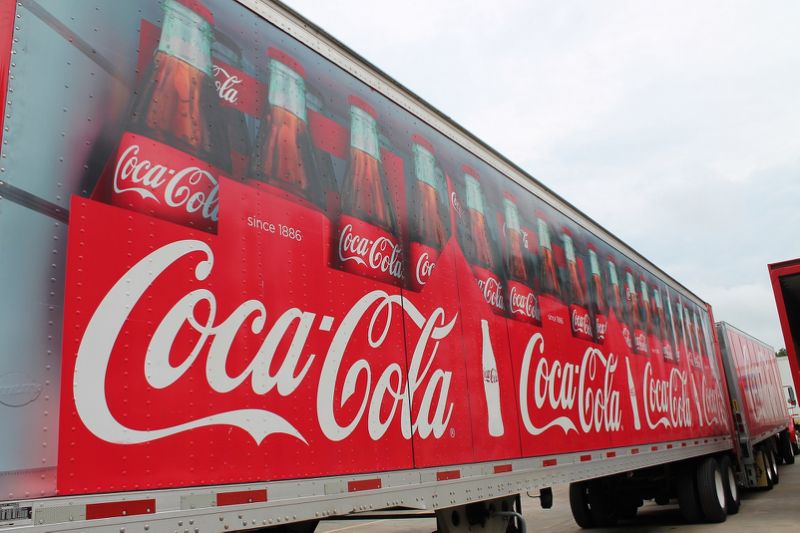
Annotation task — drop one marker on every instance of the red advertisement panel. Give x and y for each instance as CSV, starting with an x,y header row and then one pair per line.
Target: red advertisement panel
x,y
272,271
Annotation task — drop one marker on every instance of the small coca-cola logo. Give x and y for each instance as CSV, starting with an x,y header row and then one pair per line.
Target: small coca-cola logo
x,y
581,322
490,375
226,85
380,254
190,188
641,341
523,304
626,334
457,205
424,268
668,352
602,326
492,291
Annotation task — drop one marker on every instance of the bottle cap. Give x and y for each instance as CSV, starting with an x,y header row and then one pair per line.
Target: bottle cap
x,y
538,213
591,247
469,170
363,105
279,55
422,141
200,8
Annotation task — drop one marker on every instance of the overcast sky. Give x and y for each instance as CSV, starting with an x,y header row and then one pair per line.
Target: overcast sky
x,y
676,125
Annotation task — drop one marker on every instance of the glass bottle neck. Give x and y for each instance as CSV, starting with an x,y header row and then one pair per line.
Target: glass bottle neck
x,y
474,196
186,36
364,133
512,215
425,167
287,89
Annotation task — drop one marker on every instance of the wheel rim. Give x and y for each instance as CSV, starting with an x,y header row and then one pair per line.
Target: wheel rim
x,y
732,488
773,465
719,487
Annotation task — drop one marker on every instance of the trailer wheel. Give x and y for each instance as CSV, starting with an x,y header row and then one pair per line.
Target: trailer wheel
x,y
785,448
762,462
711,490
687,494
602,504
732,498
579,504
776,477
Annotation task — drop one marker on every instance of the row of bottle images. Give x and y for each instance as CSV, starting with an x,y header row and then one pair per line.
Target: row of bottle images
x,y
519,249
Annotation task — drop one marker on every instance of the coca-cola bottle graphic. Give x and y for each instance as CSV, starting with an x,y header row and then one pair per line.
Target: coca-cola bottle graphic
x,y
548,274
691,351
170,158
662,324
226,53
650,319
523,304
634,305
324,161
368,243
597,301
575,290
672,331
701,338
479,248
491,384
616,302
284,155
430,217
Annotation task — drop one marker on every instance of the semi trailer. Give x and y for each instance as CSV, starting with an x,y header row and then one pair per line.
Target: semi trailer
x,y
251,281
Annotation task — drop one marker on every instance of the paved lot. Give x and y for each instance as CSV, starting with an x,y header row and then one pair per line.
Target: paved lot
x,y
776,511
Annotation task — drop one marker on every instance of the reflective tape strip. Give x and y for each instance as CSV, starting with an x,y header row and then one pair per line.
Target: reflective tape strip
x,y
585,458
241,496
550,462
500,469
364,484
122,508
448,474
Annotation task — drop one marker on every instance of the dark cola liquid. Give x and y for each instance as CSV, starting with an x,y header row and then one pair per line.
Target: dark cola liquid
x,y
178,106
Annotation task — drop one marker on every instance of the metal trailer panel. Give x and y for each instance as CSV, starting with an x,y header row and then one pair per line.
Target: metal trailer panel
x,y
256,505
754,384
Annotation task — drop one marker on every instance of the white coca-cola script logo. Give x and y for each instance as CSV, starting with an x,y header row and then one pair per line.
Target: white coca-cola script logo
x,y
191,188
457,205
226,85
714,404
492,291
380,254
581,321
666,401
559,386
386,399
424,268
523,304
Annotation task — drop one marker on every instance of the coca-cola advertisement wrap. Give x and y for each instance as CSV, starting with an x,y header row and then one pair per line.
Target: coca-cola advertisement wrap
x,y
251,265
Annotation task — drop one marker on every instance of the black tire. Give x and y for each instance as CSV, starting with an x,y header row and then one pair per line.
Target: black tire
x,y
711,491
579,504
627,508
785,448
763,458
687,494
776,476
601,504
732,496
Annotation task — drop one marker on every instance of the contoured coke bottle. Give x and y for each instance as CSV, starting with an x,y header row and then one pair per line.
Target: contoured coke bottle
x,y
175,147
369,242
428,212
